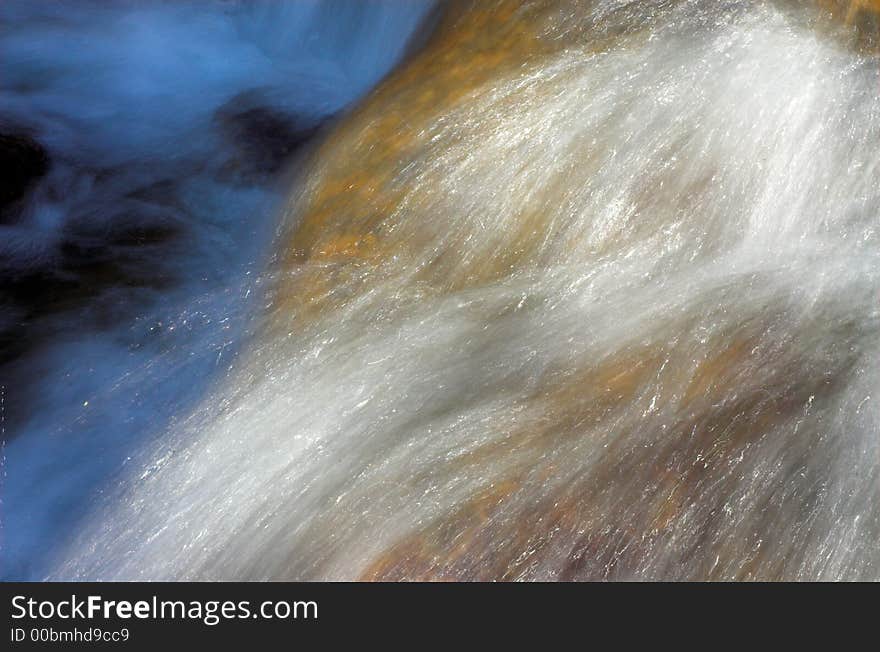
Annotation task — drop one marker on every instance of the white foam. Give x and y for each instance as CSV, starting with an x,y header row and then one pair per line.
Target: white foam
x,y
712,182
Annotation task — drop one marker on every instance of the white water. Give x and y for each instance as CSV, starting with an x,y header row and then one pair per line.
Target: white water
x,y
710,235
125,96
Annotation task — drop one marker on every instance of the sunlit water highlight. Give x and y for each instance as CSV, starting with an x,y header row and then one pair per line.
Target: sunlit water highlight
x,y
131,271
611,312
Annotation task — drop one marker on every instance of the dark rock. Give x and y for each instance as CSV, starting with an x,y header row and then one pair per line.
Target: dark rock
x,y
23,161
264,138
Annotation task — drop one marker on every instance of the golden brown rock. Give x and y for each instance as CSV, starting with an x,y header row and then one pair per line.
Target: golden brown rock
x,y
368,223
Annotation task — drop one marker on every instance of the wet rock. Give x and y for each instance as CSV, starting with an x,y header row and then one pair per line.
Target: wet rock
x,y
860,20
689,420
864,15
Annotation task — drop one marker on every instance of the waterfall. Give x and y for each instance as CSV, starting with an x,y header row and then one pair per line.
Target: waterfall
x,y
130,267
583,290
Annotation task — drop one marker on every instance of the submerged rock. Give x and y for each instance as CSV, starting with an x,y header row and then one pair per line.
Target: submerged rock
x,y
265,138
23,161
861,18
586,290
505,160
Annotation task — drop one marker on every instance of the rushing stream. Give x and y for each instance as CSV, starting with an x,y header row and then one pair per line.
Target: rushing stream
x,y
583,290
129,273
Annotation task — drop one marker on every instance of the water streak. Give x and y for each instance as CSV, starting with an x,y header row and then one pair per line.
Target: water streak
x,y
599,304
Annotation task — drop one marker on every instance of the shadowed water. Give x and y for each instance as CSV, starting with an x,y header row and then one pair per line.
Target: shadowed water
x,y
147,146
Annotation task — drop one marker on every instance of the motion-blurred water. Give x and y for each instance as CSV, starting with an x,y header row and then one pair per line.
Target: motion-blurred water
x,y
129,270
589,290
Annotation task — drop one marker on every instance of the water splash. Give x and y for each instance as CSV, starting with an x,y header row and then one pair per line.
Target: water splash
x,y
130,269
601,303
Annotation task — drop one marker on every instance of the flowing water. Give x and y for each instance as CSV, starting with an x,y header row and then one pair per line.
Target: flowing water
x,y
129,272
585,290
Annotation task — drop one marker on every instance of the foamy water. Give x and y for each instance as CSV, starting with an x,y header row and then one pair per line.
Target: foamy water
x,y
134,265
621,321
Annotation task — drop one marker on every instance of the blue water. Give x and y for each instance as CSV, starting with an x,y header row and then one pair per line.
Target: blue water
x,y
156,117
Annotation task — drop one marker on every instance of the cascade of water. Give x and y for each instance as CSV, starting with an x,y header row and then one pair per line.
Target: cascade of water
x,y
149,141
586,290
